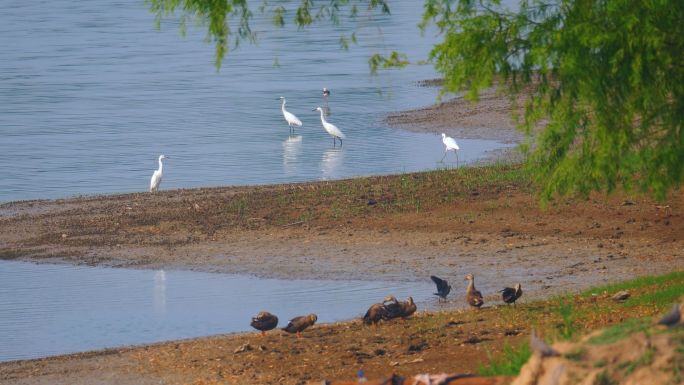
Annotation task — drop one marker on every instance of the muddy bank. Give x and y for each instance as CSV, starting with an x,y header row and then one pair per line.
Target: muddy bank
x,y
406,227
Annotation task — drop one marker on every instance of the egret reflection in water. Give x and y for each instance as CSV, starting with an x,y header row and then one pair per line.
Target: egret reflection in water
x,y
331,163
292,149
160,292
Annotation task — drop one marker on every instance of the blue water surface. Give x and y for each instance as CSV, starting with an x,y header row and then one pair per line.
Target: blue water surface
x,y
54,309
92,93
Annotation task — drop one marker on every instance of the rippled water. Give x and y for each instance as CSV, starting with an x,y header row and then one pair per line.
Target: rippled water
x,y
55,309
91,94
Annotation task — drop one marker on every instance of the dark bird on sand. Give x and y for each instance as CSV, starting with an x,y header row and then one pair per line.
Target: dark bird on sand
x,y
298,324
264,321
672,318
510,295
375,313
443,287
398,309
473,296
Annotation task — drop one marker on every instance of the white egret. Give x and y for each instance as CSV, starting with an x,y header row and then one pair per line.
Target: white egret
x,y
450,144
330,128
290,118
157,176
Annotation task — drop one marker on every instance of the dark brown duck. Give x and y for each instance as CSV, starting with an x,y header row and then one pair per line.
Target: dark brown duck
x,y
473,296
298,324
510,294
264,321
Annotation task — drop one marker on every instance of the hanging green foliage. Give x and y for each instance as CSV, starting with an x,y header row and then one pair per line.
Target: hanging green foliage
x,y
605,81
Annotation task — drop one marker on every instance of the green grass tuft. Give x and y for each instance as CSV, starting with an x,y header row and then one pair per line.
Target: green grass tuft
x,y
567,328
576,355
620,331
600,363
675,278
508,363
604,379
663,298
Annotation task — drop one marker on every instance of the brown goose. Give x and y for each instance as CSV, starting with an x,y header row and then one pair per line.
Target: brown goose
x,y
389,298
409,307
264,321
510,295
473,296
375,313
397,309
298,324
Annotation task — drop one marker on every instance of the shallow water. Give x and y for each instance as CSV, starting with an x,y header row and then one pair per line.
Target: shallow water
x,y
92,94
54,309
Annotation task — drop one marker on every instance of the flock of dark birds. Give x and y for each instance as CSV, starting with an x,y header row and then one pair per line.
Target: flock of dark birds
x,y
389,308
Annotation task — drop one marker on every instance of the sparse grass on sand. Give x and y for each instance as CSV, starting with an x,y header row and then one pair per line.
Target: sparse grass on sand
x,y
570,316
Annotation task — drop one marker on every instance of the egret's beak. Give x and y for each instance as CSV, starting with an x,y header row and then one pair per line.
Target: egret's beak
x,y
314,109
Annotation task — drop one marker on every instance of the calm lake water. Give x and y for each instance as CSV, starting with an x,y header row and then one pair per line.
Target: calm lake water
x,y
55,309
92,93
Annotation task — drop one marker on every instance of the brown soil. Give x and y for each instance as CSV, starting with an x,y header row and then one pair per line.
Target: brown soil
x,y
394,228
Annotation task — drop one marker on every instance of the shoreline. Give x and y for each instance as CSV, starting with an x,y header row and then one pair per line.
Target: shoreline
x,y
489,119
427,342
448,223
290,240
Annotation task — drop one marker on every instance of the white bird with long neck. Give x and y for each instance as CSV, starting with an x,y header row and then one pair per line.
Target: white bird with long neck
x,y
157,175
290,118
330,128
450,144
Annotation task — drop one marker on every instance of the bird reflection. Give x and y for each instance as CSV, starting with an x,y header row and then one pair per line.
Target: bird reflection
x,y
331,162
160,292
292,148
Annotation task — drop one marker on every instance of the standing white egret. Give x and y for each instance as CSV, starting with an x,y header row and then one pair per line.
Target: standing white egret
x,y
450,144
157,176
330,128
290,118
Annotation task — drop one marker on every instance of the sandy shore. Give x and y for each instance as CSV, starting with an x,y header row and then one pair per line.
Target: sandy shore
x,y
490,118
362,229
